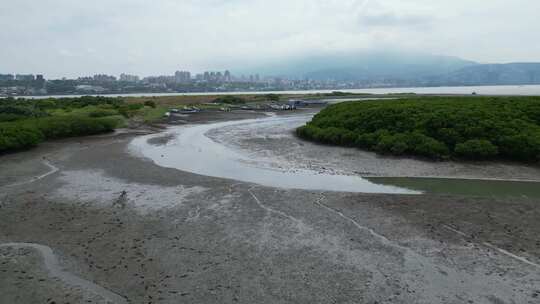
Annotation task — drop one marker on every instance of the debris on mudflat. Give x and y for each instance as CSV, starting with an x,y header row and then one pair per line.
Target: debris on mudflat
x,y
121,201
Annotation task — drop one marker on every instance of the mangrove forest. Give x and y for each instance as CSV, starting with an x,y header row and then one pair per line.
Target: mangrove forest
x,y
477,128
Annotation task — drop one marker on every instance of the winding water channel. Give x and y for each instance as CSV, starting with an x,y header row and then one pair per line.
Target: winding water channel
x,y
193,151
191,148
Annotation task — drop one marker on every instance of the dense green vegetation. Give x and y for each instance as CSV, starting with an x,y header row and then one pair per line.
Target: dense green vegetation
x,y
150,103
229,99
151,114
272,97
24,123
434,127
344,94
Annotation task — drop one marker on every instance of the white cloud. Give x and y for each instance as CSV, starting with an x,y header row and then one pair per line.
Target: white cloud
x,y
66,37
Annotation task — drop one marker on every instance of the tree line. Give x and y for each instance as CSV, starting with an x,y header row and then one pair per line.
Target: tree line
x,y
434,127
24,123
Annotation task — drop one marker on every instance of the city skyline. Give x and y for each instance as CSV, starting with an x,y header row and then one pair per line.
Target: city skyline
x,y
191,75
179,75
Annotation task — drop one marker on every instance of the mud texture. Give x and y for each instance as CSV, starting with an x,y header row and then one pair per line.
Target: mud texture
x,y
156,235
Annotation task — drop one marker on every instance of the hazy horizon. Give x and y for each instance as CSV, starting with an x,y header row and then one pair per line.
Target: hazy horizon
x,y
62,38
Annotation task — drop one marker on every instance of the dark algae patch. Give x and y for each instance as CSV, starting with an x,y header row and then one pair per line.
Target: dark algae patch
x,y
476,128
464,187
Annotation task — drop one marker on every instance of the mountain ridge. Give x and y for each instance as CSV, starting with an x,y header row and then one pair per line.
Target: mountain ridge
x,y
402,68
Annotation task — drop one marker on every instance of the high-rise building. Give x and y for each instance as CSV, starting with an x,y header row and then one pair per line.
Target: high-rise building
x,y
227,76
28,77
104,78
182,77
7,77
86,79
164,79
129,78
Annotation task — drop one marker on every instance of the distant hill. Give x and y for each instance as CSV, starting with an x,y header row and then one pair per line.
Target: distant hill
x,y
492,74
363,66
401,69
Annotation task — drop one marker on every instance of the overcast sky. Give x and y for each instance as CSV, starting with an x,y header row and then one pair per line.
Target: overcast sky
x,y
76,37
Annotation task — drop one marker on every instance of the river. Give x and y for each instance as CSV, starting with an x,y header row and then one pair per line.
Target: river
x,y
197,149
193,151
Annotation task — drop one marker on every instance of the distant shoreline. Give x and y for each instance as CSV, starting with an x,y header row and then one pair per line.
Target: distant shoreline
x,y
532,90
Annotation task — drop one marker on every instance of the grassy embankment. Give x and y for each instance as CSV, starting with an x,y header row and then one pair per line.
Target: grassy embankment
x,y
24,123
435,127
201,100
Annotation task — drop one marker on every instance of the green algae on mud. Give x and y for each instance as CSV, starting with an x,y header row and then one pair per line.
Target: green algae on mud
x,y
464,187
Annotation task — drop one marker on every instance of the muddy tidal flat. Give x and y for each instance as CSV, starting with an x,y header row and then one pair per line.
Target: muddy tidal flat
x,y
98,220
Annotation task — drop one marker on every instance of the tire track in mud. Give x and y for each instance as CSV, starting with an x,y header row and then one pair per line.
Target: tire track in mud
x,y
430,272
493,247
270,210
52,170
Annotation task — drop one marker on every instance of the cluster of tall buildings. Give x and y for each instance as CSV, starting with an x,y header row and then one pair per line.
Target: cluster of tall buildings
x,y
21,77
102,78
129,78
214,77
180,81
182,77
19,84
187,77
179,77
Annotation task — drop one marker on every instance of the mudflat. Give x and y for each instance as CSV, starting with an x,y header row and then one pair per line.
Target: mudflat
x,y
125,229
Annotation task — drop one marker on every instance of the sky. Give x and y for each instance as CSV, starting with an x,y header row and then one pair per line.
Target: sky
x,y
70,38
